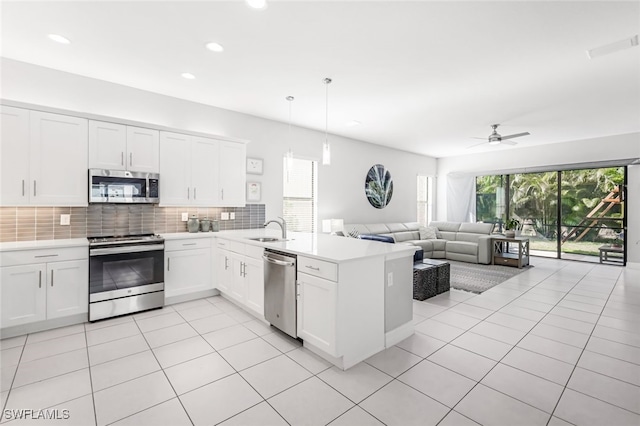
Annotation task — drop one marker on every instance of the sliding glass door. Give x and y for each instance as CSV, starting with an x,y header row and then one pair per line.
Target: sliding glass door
x,y
568,214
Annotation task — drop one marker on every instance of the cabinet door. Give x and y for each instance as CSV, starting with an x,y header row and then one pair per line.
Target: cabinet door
x,y
224,270
317,312
204,171
143,150
107,145
14,156
58,159
232,174
23,294
238,288
175,169
187,271
67,288
254,271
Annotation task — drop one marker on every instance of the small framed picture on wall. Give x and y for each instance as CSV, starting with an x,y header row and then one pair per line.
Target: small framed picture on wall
x,y
254,166
254,191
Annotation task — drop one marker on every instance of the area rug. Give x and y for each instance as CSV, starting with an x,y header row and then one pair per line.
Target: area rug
x,y
479,278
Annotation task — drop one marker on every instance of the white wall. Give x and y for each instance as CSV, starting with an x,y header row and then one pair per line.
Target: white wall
x,y
340,186
582,151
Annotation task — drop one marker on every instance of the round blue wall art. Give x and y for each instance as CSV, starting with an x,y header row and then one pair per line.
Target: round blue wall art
x,y
378,186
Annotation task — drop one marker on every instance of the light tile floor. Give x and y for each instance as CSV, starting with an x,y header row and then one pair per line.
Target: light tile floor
x,y
557,344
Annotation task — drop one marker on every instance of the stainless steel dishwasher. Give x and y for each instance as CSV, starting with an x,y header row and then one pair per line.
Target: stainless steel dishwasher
x,y
280,291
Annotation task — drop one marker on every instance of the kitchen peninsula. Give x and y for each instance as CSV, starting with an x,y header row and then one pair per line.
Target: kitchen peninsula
x,y
354,297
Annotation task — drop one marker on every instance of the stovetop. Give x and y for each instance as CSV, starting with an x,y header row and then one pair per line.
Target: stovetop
x,y
125,239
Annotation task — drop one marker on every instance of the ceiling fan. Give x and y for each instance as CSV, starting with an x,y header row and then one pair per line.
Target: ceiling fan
x,y
496,139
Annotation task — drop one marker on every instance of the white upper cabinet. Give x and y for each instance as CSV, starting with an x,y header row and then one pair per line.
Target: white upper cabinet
x,y
201,171
143,150
14,156
118,147
43,158
233,169
58,159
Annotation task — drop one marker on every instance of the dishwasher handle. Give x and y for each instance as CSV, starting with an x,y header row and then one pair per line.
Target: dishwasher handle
x,y
278,262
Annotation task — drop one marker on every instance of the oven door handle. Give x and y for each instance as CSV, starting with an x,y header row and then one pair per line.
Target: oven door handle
x,y
125,249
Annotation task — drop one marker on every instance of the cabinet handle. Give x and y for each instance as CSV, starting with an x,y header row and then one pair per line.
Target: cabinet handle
x,y
188,192
39,279
131,158
189,244
51,278
311,267
222,192
23,187
168,263
194,193
46,255
226,263
34,188
122,158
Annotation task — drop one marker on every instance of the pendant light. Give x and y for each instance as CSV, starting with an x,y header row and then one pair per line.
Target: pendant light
x,y
289,154
326,148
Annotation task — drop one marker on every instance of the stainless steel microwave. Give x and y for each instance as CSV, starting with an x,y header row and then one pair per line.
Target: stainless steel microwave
x,y
121,186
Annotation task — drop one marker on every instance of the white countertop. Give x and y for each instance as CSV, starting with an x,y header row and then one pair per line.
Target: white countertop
x,y
44,244
321,246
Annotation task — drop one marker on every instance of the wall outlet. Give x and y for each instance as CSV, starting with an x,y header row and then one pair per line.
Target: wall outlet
x,y
232,215
224,216
389,279
185,217
65,219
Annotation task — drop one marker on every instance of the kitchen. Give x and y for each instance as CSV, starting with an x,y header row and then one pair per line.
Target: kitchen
x,y
135,165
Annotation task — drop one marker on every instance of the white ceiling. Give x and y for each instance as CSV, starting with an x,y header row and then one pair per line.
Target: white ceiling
x,y
421,76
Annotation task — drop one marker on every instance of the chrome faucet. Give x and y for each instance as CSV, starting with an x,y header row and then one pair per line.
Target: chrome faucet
x,y
282,223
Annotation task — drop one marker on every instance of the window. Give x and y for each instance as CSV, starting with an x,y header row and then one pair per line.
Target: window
x,y
425,199
299,194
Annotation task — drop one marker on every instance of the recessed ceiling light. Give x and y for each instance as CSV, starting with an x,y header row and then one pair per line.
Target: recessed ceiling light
x,y
613,47
257,4
214,47
188,75
58,38
353,123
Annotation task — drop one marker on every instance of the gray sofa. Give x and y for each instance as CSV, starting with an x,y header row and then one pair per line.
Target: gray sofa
x,y
466,242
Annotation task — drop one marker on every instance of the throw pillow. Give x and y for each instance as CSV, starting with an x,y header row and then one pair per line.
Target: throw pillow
x,y
354,233
428,233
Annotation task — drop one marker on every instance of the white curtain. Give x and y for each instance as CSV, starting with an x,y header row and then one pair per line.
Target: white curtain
x,y
461,197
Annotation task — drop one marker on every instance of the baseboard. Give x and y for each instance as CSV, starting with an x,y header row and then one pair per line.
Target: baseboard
x,y
398,334
35,327
191,296
633,265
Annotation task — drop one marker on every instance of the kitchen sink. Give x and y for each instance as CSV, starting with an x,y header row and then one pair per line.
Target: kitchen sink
x,y
266,239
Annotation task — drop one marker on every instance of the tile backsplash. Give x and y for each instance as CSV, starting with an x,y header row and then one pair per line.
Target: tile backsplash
x,y
43,223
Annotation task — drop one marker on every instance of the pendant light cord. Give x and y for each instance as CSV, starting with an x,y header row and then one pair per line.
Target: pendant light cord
x,y
327,81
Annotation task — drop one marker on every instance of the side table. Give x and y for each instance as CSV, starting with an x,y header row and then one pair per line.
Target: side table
x,y
510,251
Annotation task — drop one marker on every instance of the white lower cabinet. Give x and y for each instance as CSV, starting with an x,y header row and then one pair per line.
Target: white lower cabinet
x,y
240,273
317,300
31,292
187,266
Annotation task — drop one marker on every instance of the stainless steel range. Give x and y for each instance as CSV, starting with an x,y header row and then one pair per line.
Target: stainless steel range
x,y
126,274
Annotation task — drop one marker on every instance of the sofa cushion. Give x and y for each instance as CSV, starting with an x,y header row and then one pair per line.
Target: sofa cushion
x,y
426,245
428,233
439,245
446,235
396,227
462,247
446,226
377,228
470,238
476,228
412,226
406,236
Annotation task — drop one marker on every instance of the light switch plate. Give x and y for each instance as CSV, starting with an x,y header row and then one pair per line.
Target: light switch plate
x,y
232,215
185,217
65,219
224,216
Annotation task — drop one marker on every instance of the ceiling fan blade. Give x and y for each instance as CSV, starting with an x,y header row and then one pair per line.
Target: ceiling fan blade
x,y
517,135
503,142
478,144
484,139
